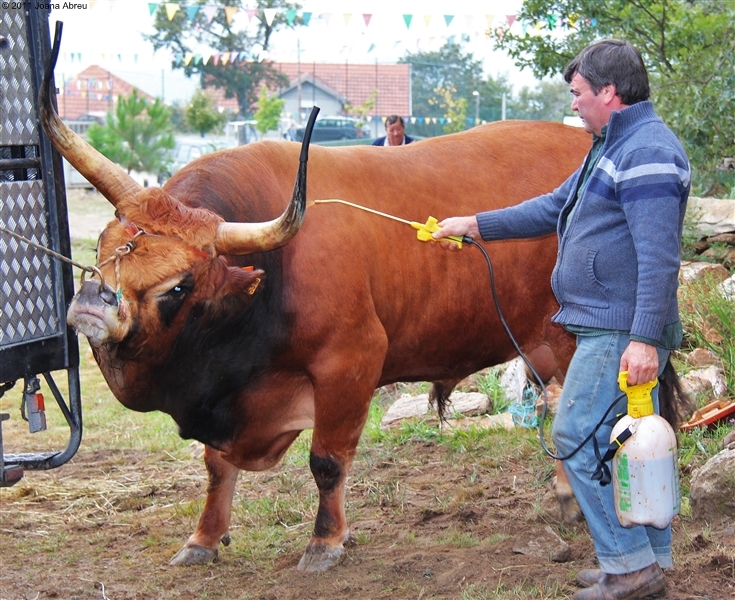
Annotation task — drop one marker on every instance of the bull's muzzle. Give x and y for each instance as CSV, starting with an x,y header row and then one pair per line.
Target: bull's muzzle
x,y
94,312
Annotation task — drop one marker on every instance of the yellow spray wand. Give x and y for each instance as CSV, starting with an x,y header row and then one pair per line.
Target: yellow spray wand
x,y
423,230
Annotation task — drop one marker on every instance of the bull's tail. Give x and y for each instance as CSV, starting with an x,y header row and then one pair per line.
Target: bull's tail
x,y
675,405
439,396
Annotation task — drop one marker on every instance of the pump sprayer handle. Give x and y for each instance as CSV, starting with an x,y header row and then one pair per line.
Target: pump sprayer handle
x,y
640,402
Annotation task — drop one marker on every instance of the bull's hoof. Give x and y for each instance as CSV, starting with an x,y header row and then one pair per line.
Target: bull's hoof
x,y
193,555
318,559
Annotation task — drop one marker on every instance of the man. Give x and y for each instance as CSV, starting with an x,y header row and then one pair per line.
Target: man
x,y
619,221
395,131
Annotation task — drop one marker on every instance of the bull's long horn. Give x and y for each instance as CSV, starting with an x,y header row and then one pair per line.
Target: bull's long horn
x,y
245,238
112,181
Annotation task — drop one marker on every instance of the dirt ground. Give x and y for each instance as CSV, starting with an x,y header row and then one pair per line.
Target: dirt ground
x,y
429,524
110,521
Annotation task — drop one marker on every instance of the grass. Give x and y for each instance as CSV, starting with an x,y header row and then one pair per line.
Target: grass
x,y
709,322
273,512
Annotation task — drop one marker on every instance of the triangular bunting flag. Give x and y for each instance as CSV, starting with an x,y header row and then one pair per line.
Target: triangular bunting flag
x,y
347,17
372,47
187,58
326,17
427,20
171,10
152,6
448,19
191,12
511,19
251,12
367,18
407,20
230,12
210,11
270,14
306,17
290,15
490,19
225,57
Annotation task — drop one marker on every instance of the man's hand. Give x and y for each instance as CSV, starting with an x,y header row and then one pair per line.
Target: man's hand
x,y
641,362
459,226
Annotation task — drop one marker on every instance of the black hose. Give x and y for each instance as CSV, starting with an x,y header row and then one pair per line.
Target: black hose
x,y
469,240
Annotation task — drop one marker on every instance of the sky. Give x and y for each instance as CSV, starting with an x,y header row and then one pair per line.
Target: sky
x,y
108,33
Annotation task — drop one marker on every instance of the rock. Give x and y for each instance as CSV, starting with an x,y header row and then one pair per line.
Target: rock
x,y
504,420
692,271
713,215
546,545
710,381
514,380
727,288
461,403
712,488
729,441
701,357
553,393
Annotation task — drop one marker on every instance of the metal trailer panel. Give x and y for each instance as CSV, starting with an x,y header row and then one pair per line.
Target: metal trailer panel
x,y
35,289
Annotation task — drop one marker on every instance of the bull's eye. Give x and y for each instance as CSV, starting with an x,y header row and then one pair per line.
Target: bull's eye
x,y
171,301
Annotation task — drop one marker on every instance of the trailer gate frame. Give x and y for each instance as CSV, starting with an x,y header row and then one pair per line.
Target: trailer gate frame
x,y
35,289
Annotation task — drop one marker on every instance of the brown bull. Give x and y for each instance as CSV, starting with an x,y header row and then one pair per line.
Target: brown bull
x,y
244,359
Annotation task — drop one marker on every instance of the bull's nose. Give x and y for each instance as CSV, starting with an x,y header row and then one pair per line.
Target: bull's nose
x,y
92,292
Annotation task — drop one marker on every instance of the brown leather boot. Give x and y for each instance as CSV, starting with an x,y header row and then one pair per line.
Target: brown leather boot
x,y
646,583
589,577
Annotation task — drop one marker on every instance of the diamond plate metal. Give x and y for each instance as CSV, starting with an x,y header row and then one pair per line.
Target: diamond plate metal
x,y
27,282
18,121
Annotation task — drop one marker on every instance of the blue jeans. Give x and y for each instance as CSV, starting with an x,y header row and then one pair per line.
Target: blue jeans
x,y
590,386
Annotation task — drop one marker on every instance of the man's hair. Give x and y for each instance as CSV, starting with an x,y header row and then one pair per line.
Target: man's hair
x,y
393,119
612,62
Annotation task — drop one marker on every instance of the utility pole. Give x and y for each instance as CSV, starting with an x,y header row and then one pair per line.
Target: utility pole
x,y
476,94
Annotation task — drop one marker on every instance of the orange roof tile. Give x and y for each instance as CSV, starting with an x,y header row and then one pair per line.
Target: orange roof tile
x,y
94,91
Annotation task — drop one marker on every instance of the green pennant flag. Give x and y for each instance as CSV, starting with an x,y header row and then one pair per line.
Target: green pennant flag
x,y
407,20
448,19
152,6
306,17
290,15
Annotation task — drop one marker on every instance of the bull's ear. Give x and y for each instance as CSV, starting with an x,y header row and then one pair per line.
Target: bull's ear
x,y
241,281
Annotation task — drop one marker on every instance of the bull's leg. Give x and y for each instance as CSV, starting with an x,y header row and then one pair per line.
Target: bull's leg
x,y
570,511
214,521
342,401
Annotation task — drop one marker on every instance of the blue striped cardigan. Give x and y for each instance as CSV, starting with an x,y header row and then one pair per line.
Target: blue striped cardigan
x,y
618,261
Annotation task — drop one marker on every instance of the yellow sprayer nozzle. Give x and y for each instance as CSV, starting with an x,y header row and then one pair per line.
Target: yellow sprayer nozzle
x,y
424,231
640,403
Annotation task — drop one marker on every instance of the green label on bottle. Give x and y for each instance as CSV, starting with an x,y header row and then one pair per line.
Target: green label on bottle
x,y
624,501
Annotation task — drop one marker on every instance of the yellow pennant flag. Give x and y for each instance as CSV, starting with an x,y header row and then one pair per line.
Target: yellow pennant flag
x,y
427,20
225,57
230,12
188,58
490,19
171,10
347,17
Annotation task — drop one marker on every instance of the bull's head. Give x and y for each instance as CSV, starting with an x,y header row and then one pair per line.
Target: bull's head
x,y
158,250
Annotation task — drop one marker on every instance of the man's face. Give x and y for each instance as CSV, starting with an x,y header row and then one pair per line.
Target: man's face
x,y
593,109
395,133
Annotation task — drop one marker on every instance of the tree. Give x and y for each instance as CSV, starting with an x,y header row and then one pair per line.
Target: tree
x,y
454,109
269,111
201,114
238,78
550,101
688,47
137,135
446,69
362,111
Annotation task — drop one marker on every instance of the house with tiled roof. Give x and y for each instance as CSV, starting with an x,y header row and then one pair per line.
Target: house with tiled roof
x,y
331,86
92,93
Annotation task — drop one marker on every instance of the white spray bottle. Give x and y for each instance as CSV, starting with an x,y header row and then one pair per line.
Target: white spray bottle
x,y
644,468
